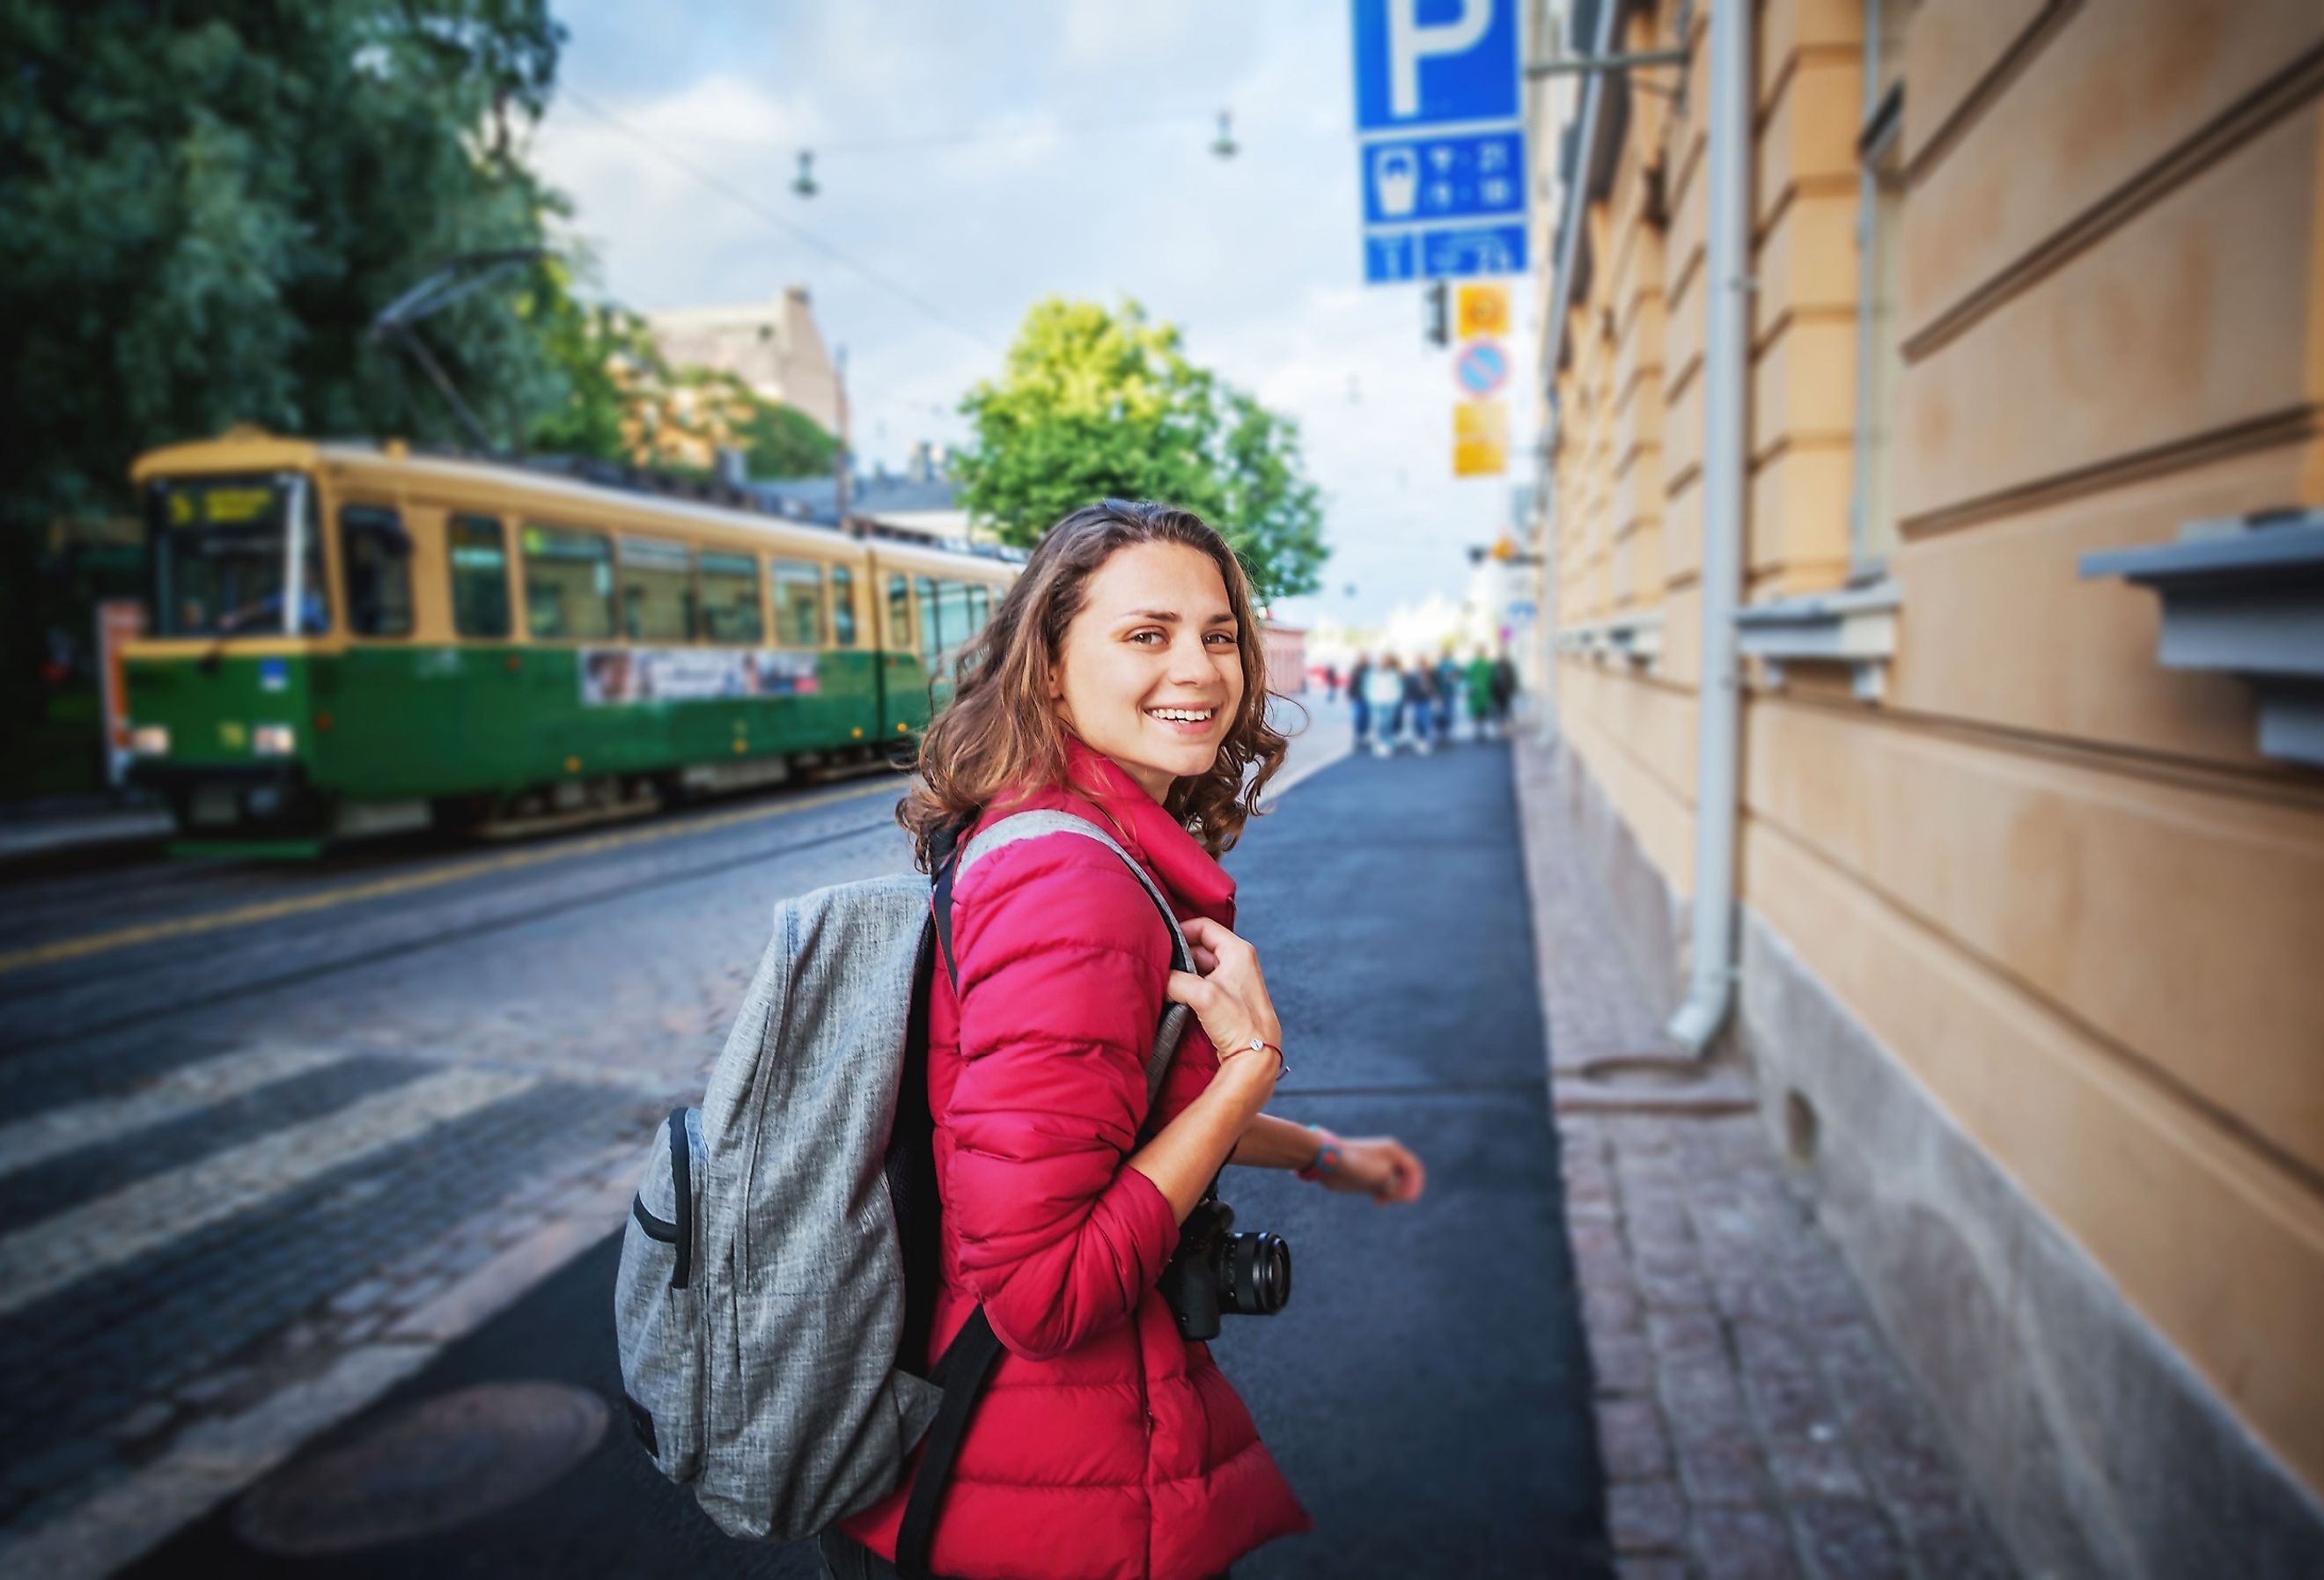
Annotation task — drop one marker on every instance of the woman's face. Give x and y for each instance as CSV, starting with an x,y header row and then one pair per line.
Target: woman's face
x,y
1150,671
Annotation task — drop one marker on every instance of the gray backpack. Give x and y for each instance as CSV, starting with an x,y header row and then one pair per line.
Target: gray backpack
x,y
778,1271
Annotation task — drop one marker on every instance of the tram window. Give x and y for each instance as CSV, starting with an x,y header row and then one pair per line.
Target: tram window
x,y
657,590
952,601
480,583
842,606
900,614
730,599
799,604
568,584
375,552
930,621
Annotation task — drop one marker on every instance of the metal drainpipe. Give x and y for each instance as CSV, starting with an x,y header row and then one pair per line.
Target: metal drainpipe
x,y
1710,985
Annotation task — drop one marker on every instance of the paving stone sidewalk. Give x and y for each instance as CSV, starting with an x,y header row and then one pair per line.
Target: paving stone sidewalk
x,y
1752,1421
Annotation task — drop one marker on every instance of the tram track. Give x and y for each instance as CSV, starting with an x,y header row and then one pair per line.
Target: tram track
x,y
625,885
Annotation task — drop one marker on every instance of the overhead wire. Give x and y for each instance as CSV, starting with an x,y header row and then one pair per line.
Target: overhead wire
x,y
760,211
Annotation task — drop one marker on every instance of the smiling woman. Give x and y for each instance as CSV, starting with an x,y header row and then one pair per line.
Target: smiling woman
x,y
1121,683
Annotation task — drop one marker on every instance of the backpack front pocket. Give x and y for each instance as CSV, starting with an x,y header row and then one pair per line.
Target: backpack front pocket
x,y
657,1309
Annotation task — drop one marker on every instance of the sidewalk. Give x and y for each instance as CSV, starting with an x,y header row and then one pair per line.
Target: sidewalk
x,y
1751,1420
79,828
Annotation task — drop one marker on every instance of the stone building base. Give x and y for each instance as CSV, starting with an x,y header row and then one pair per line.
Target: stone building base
x,y
2093,1447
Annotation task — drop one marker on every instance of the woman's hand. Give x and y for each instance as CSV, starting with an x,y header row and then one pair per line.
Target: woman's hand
x,y
1380,1166
1229,997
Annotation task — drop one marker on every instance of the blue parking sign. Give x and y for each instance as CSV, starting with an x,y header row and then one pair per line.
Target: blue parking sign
x,y
1420,181
1423,63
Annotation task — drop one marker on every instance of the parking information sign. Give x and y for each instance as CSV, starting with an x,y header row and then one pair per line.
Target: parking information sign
x,y
1440,144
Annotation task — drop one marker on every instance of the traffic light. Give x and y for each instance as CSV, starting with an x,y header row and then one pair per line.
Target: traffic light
x,y
1440,313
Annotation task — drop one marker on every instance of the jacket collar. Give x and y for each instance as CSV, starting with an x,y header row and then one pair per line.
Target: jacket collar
x,y
1187,871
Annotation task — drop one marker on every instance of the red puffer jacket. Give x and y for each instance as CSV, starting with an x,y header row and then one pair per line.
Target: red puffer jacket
x,y
1105,1447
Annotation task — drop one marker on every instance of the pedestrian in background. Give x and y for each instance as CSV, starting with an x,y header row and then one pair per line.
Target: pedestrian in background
x,y
1331,682
1062,1198
1505,690
1419,699
1478,682
1448,689
1384,689
1358,704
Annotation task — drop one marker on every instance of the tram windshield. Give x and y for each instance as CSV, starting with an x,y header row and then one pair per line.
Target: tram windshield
x,y
221,558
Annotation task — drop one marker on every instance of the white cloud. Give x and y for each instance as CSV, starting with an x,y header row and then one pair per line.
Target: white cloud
x,y
1090,175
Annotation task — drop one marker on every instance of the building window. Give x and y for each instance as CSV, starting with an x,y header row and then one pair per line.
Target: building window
x,y
568,584
799,604
657,590
1879,328
842,606
730,599
375,553
480,578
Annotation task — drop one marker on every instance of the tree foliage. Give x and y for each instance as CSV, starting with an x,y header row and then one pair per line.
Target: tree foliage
x,y
1095,403
205,206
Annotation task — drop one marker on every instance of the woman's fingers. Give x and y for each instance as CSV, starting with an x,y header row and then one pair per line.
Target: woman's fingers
x,y
1194,992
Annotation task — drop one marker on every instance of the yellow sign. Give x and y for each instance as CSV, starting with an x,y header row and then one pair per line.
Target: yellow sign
x,y
1481,438
1483,311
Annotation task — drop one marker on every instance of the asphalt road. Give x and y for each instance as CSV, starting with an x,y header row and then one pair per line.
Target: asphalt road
x,y
1427,1389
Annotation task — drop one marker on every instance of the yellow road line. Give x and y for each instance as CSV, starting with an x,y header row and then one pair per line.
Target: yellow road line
x,y
272,909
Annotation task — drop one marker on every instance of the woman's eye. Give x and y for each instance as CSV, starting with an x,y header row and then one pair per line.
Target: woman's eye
x,y
1223,638
1141,636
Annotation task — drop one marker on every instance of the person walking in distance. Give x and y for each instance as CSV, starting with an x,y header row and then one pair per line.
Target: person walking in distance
x,y
1505,690
1477,683
1448,691
1359,707
1419,698
1384,689
1121,682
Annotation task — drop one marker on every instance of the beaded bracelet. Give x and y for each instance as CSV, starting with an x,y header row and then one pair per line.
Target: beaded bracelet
x,y
1327,1157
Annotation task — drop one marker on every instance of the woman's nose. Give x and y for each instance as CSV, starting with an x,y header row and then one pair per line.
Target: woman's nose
x,y
1189,661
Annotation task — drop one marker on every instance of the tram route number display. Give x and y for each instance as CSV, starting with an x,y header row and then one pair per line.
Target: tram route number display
x,y
611,675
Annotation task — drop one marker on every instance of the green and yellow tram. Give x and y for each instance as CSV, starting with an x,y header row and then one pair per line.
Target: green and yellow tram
x,y
346,639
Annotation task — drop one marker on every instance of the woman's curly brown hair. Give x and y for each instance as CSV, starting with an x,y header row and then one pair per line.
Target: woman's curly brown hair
x,y
1002,729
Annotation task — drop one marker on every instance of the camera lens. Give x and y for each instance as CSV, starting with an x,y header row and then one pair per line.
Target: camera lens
x,y
1254,1274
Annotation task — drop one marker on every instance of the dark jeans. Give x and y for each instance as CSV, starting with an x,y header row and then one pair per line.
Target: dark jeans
x,y
844,1559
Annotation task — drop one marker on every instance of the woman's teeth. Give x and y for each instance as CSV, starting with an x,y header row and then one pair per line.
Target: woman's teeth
x,y
1193,715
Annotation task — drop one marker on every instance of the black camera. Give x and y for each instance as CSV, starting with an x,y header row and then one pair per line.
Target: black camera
x,y
1216,1270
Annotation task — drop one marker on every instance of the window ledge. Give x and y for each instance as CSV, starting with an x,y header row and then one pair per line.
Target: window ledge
x,y
1856,626
2246,594
1635,637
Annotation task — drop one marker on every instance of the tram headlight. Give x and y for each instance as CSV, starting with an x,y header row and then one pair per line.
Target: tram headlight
x,y
274,741
150,740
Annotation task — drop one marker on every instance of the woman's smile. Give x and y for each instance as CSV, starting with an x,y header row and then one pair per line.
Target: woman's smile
x,y
1180,720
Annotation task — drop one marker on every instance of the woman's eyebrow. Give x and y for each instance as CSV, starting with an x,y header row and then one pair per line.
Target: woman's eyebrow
x,y
1170,616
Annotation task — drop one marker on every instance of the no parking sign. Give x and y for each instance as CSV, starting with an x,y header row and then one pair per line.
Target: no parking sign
x,y
1480,369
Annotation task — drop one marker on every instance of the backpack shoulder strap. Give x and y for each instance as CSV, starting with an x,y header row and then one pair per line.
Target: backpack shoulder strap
x,y
1021,825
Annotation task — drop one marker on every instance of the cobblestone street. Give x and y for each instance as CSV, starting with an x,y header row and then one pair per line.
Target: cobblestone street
x,y
1753,1423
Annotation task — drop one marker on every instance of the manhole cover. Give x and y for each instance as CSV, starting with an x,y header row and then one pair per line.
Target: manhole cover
x,y
437,1465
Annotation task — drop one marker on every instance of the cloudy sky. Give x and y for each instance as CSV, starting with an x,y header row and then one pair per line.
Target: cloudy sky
x,y
975,158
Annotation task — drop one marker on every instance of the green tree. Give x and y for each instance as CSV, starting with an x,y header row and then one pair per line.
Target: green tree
x,y
1094,404
203,208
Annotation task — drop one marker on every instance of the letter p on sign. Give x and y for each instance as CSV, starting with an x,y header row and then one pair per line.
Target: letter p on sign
x,y
1422,63
1411,41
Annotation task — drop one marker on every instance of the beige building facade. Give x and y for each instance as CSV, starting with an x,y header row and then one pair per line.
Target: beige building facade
x,y
775,347
2026,918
